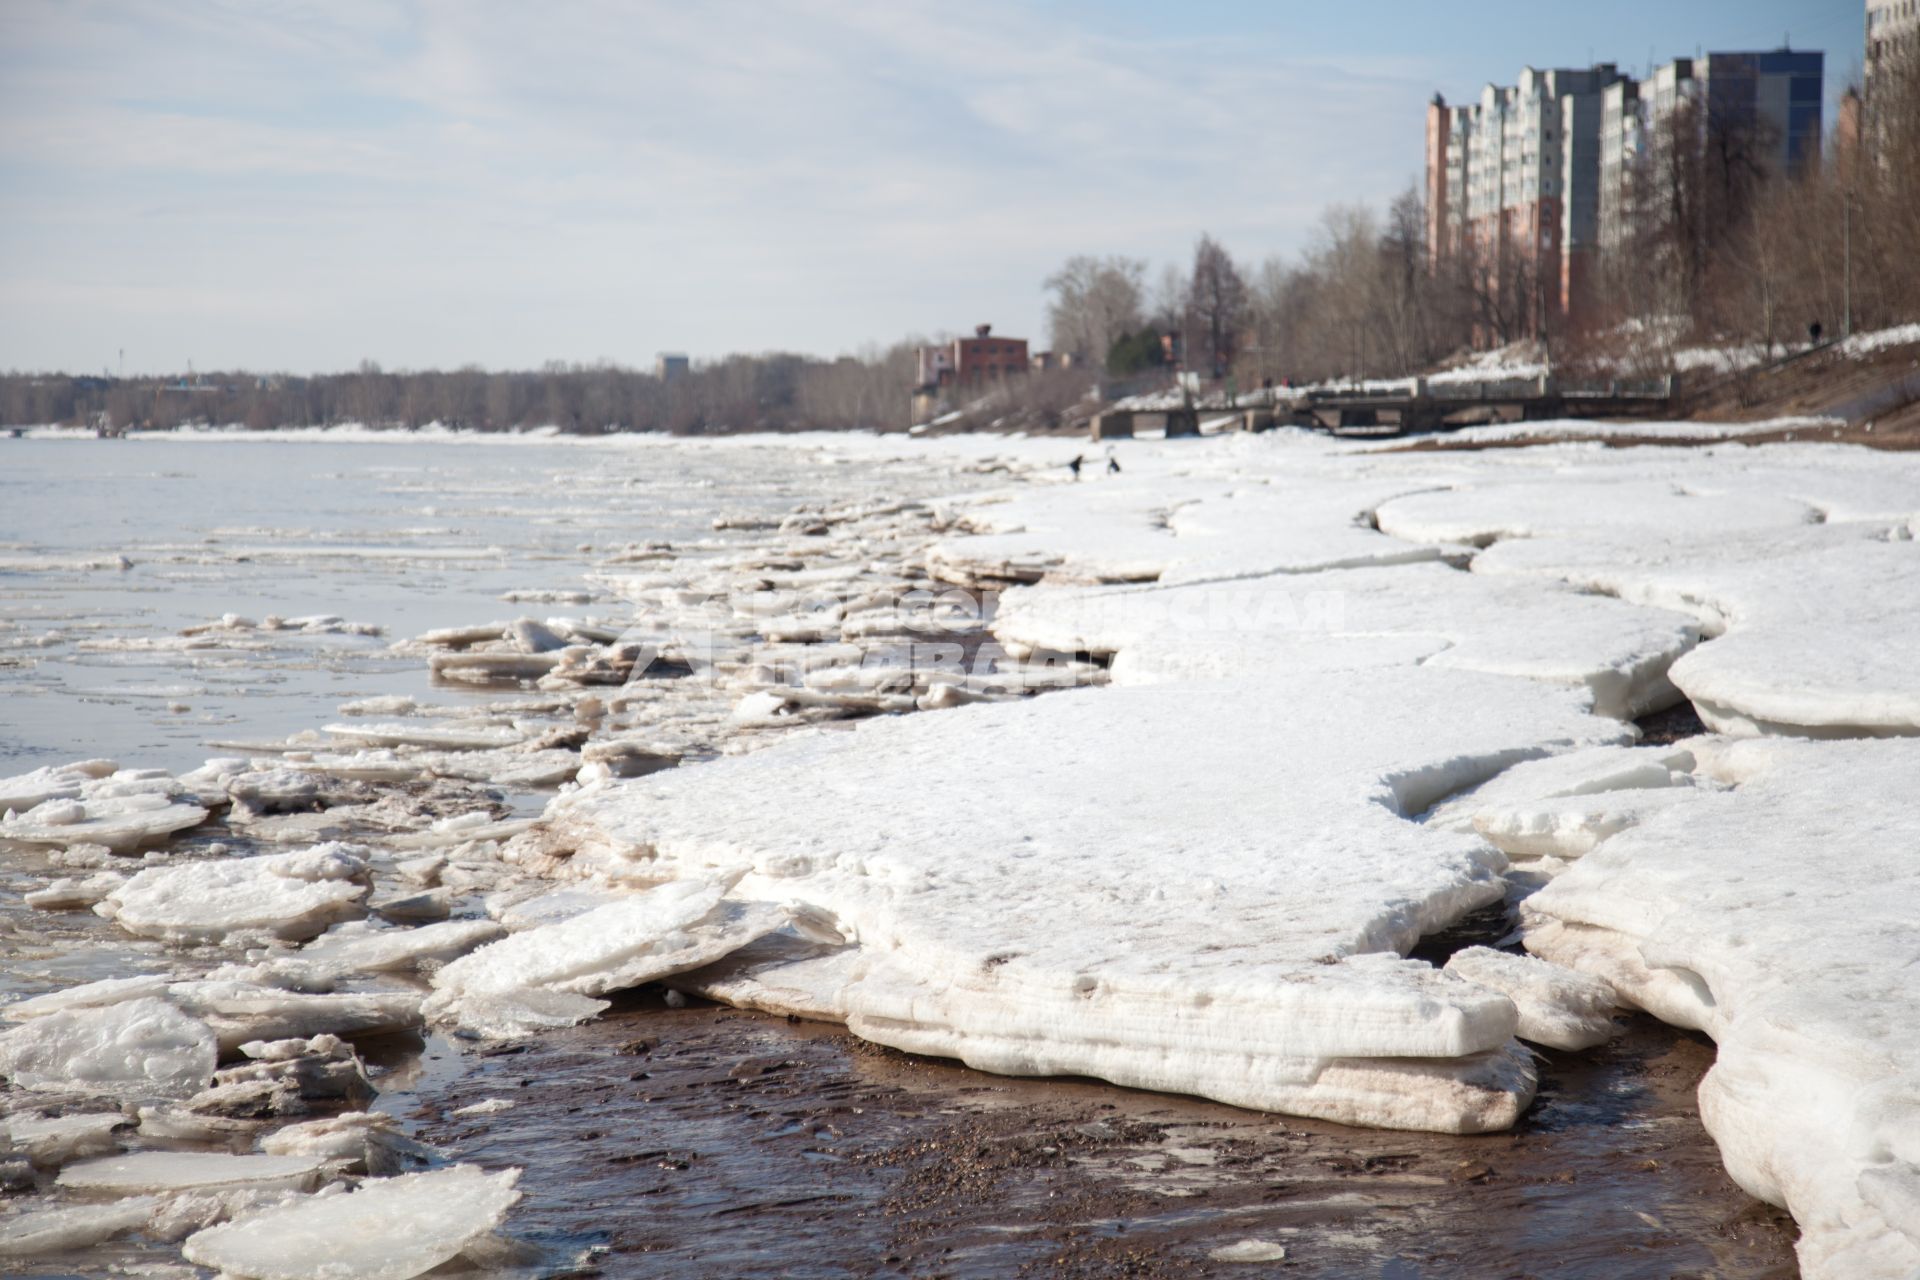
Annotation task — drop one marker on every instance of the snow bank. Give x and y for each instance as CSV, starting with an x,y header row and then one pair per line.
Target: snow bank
x,y
1778,918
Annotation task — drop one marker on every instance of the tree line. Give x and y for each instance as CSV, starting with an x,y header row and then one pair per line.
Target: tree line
x,y
1719,247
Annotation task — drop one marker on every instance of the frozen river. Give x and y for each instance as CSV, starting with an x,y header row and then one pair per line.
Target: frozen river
x,y
404,536
516,752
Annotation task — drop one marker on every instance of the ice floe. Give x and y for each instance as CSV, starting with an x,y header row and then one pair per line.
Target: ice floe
x,y
1345,622
631,940
142,1048
1026,932
1704,916
291,896
389,1229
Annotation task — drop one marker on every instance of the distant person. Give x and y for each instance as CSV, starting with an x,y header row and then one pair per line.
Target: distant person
x,y
1074,466
1814,331
1113,464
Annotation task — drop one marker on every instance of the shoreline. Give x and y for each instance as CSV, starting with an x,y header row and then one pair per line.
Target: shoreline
x,y
1065,551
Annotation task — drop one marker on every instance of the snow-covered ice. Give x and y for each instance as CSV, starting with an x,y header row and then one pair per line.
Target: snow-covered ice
x,y
1559,1007
1042,916
1424,614
1778,916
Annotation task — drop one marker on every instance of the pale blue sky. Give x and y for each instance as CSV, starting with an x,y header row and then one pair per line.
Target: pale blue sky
x,y
281,185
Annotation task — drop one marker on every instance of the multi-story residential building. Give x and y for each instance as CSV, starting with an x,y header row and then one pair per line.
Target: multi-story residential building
x,y
1769,103
1892,26
1623,143
1531,184
1513,181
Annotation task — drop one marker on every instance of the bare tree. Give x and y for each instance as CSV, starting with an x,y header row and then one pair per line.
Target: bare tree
x,y
1217,301
1096,302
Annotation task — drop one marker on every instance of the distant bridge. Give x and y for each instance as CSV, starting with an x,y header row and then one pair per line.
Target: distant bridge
x,y
1413,404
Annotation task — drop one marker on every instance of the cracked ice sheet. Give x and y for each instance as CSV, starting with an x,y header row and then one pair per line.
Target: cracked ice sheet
x,y
1815,621
1168,887
1186,529
1779,918
1363,618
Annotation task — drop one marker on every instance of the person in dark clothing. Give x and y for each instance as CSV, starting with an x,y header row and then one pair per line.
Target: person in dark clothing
x,y
1814,331
1074,466
1113,465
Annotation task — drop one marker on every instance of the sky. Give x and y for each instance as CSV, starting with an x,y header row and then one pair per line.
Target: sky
x,y
279,185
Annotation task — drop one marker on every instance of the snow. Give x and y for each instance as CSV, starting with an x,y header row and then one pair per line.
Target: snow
x,y
1777,916
1559,1007
141,1048
1422,614
389,1229
1024,930
290,895
1863,344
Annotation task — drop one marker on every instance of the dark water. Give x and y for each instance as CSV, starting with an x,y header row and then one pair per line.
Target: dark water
x,y
705,1141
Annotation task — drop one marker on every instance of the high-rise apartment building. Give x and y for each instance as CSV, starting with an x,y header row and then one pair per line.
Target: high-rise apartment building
x,y
1530,185
1892,26
1513,186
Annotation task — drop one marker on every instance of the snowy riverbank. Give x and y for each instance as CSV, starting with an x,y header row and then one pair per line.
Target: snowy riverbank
x,y
1316,703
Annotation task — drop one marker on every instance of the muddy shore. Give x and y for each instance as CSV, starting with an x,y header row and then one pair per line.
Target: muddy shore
x,y
706,1141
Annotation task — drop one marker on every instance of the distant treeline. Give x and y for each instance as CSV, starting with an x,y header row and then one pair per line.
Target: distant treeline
x,y
774,392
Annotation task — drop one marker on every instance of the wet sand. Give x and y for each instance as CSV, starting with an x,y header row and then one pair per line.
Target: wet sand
x,y
706,1141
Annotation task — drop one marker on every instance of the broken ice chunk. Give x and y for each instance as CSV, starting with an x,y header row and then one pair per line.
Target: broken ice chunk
x,y
1593,771
1559,1007
636,939
291,895
366,1141
782,973
353,948
89,995
145,1171
390,1229
51,1141
122,824
143,1048
71,894
508,1014
1572,826
43,1231
243,1011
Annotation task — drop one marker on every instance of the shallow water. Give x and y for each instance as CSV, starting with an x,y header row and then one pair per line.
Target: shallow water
x,y
407,536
